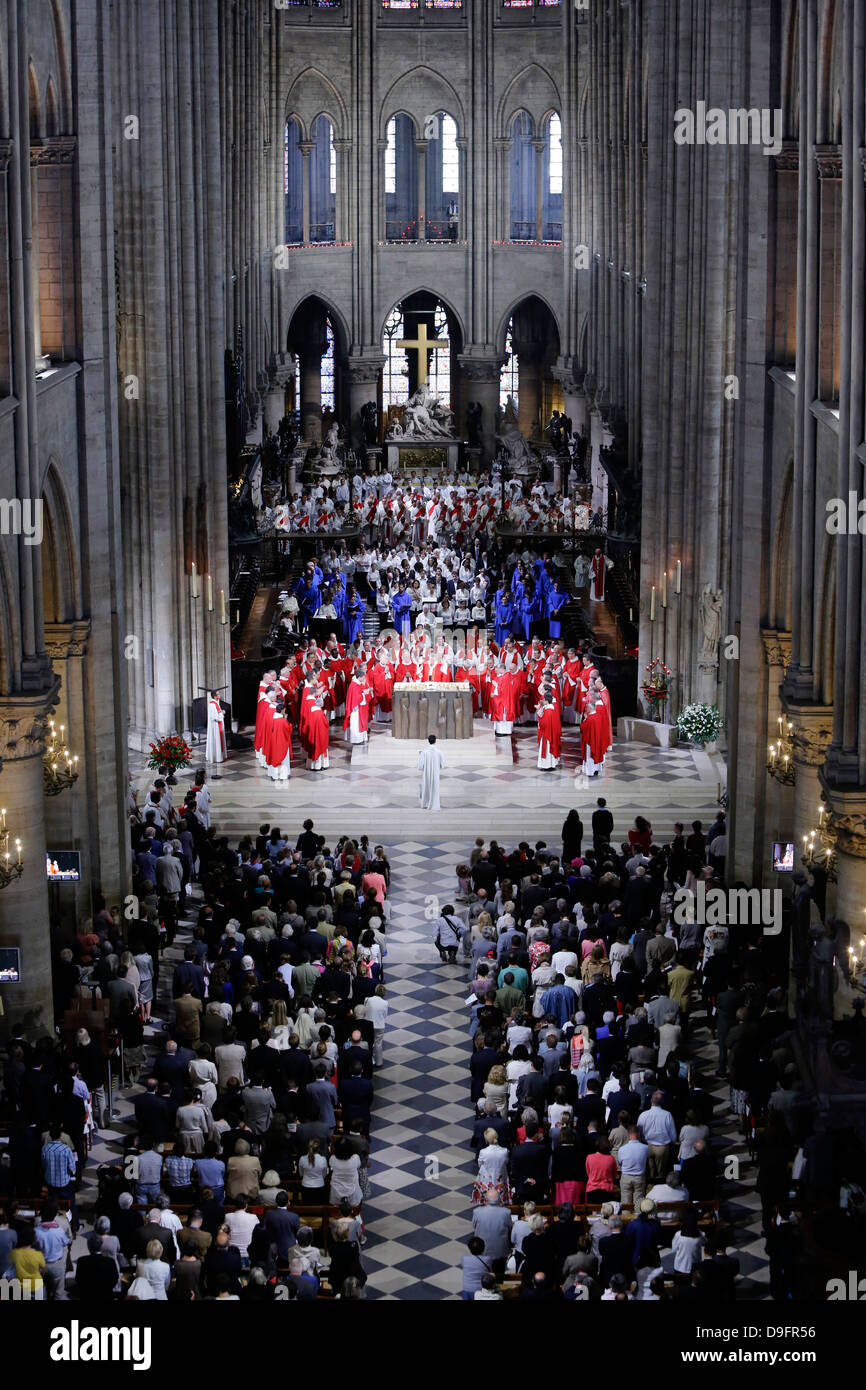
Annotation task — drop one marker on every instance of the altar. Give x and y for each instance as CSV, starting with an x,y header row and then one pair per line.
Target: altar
x,y
422,455
421,708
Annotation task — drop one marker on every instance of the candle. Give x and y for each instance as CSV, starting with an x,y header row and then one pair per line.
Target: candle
x,y
193,581
18,847
223,607
3,815
653,604
665,589
210,593
679,576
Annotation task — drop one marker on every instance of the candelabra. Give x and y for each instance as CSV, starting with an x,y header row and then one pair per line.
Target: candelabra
x,y
9,871
819,847
59,767
780,760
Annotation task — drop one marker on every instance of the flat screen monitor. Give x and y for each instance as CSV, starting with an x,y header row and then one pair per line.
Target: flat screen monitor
x,y
63,865
783,856
10,965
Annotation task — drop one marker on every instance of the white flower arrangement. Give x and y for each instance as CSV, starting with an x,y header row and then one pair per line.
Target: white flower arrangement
x,y
700,723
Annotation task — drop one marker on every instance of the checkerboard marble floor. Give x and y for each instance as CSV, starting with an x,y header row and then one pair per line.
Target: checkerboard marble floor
x,y
418,1216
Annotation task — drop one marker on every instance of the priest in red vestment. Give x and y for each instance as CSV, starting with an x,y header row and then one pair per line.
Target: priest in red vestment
x,y
549,734
593,734
280,754
359,697
318,738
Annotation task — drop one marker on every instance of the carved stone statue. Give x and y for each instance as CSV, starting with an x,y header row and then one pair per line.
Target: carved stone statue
x,y
554,429
509,416
711,626
424,417
519,456
474,416
370,422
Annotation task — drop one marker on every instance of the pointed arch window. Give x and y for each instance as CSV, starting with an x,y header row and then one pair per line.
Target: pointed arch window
x,y
328,363
510,374
395,375
401,179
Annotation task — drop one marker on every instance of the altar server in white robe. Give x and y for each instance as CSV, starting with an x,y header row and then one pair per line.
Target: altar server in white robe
x,y
202,800
430,764
215,748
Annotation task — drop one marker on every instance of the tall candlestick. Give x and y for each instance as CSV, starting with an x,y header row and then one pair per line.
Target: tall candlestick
x,y
223,607
665,589
653,604
193,580
210,593
679,587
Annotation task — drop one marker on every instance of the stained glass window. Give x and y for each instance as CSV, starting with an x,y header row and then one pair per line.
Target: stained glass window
x,y
555,140
440,367
391,157
399,4
395,374
518,4
510,372
328,397
450,156
444,4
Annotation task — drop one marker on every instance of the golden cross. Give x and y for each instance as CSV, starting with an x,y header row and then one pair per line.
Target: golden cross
x,y
422,345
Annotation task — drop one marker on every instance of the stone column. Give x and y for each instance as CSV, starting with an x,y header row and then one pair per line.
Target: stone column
x,y
421,147
24,903
364,374
502,212
311,396
343,148
67,820
274,406
539,146
306,147
847,822
778,817
813,729
529,391
481,380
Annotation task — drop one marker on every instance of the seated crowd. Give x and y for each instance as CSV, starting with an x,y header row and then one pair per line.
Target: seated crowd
x,y
597,1174
246,1161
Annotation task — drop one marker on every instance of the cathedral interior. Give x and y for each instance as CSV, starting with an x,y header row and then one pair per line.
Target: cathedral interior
x,y
218,227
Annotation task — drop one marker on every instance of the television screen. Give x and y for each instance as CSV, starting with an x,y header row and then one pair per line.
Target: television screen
x,y
10,965
783,857
63,865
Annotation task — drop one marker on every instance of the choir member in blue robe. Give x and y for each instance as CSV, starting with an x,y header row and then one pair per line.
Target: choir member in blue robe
x,y
555,599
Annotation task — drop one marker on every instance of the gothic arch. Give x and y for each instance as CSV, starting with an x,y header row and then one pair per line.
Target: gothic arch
x,y
421,289
582,110
8,626
829,71
790,96
312,94
338,319
59,551
62,68
419,94
825,635
533,90
52,115
35,111
780,614
509,314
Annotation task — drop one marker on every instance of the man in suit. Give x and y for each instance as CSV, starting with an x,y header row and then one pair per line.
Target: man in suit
x,y
491,1119
356,1096
154,1230
355,1051
528,1166
153,1114
492,1224
322,1094
282,1225
484,874
188,975
602,824
95,1273
616,1253
699,1173
172,1067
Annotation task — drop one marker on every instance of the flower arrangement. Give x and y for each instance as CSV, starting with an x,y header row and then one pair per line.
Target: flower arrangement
x,y
700,723
655,686
171,752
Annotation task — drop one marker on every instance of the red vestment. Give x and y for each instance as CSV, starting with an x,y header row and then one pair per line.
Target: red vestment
x,y
550,733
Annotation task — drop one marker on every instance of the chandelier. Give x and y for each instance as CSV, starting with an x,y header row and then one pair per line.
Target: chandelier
x,y
59,767
9,871
819,847
780,760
